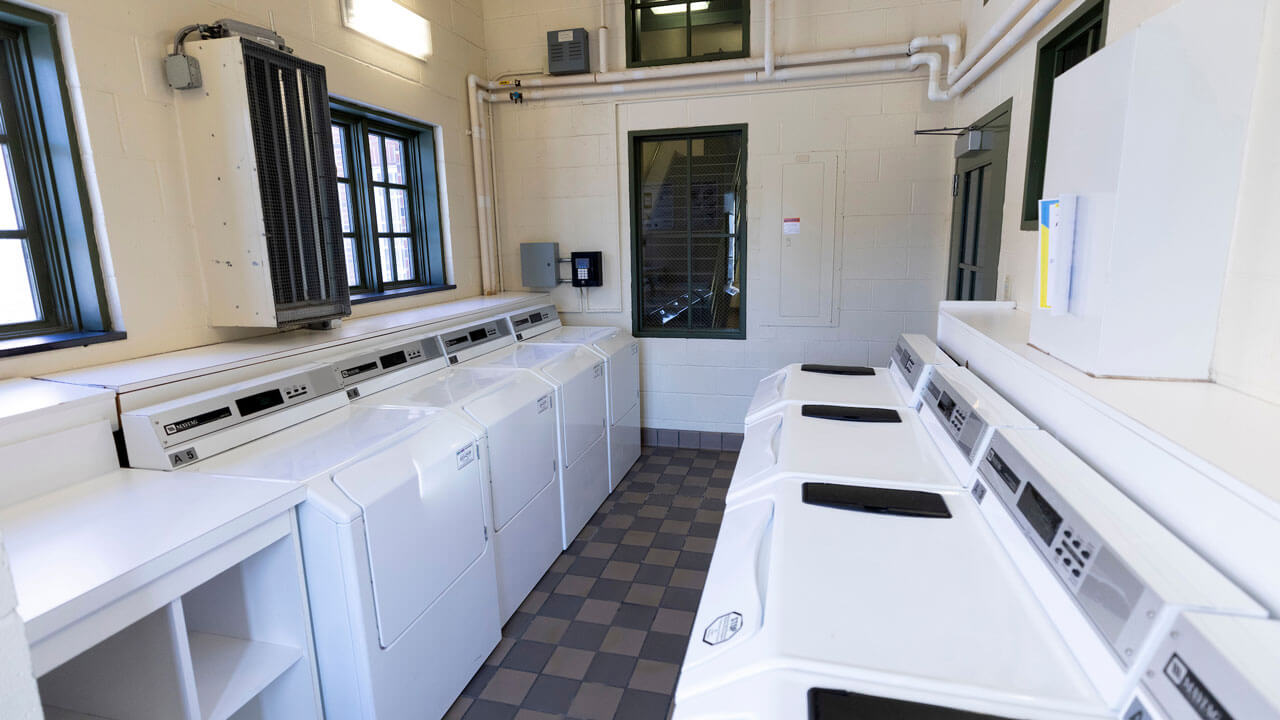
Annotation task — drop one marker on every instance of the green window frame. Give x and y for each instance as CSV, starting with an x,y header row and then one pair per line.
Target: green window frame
x,y
695,19
1080,35
389,203
53,294
689,232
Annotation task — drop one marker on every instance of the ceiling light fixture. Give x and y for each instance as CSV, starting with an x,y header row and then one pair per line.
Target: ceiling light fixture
x,y
673,9
389,23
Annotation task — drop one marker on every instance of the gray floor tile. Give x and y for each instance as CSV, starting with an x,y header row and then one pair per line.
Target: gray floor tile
x,y
603,634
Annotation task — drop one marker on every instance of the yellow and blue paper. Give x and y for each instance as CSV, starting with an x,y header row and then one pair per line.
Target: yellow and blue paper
x,y
1046,213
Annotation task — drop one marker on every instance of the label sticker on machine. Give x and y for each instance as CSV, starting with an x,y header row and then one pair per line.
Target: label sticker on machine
x,y
1136,711
544,403
635,348
979,491
722,628
466,456
182,457
1194,691
597,370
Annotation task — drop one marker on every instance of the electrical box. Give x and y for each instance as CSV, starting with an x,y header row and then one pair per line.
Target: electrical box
x,y
568,52
588,269
538,264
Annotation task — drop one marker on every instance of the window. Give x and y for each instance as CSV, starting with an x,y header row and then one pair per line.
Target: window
x,y
51,292
389,202
661,32
1079,36
688,232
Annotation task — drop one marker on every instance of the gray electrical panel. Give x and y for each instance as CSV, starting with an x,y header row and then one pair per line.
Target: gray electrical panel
x,y
568,52
539,264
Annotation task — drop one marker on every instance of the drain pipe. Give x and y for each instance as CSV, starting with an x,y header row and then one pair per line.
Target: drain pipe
x,y
989,39
966,77
474,99
769,60
603,37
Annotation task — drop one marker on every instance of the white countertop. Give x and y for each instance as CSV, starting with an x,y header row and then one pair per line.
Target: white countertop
x,y
140,373
23,400
1223,433
81,548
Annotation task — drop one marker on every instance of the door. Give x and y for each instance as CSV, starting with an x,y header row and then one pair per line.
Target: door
x,y
520,417
977,210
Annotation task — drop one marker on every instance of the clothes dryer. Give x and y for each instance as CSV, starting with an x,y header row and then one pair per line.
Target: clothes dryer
x,y
577,376
899,385
396,545
517,412
622,376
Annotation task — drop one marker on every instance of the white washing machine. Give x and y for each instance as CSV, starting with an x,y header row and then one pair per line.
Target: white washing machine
x,y
622,374
396,548
578,378
517,412
898,446
833,599
899,385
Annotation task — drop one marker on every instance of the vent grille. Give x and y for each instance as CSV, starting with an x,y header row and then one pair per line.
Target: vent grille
x,y
289,115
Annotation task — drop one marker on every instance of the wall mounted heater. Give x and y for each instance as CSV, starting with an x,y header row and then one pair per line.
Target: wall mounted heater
x,y
263,186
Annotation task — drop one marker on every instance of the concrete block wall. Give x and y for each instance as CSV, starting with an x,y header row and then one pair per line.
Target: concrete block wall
x,y
562,169
19,699
135,155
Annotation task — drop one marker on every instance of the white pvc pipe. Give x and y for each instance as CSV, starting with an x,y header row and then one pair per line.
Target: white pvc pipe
x,y
1002,48
474,98
769,60
951,41
604,48
989,39
934,61
834,56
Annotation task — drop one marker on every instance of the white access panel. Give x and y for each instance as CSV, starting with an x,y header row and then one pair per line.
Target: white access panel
x,y
1149,133
803,290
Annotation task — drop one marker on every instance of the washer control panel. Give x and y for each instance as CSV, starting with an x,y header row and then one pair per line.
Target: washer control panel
x,y
380,361
531,323
1117,602
472,341
956,413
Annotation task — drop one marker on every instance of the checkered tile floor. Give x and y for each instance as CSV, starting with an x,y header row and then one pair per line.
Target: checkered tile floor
x,y
603,634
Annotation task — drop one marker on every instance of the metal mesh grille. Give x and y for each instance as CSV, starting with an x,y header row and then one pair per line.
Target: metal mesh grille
x,y
690,204
289,114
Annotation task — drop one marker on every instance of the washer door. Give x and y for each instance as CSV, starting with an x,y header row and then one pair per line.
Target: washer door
x,y
423,519
624,374
520,419
581,375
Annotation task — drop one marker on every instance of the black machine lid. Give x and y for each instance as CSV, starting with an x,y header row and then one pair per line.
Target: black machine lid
x,y
849,413
827,704
837,369
883,501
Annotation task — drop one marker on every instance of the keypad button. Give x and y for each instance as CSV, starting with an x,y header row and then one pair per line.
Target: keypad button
x,y
1076,573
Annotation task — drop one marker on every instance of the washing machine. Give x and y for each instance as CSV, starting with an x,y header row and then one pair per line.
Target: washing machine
x,y
577,378
891,444
517,413
396,544
839,599
899,385
622,376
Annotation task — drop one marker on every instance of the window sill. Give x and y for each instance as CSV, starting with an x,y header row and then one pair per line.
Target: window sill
x,y
406,292
55,341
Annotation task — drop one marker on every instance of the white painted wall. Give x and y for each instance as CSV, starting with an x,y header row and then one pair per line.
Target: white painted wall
x,y
1247,356
19,699
151,263
562,169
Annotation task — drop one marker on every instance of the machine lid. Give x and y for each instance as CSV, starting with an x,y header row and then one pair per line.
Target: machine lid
x,y
863,595
580,334
318,447
792,384
535,356
900,454
462,386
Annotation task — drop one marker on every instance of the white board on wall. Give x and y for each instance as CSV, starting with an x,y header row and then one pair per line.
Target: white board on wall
x,y
801,256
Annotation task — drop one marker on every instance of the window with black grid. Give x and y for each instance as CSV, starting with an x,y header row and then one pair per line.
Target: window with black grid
x,y
662,32
51,290
388,199
688,204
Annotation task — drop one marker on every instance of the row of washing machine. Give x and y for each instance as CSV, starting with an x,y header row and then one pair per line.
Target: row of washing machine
x,y
904,543
445,473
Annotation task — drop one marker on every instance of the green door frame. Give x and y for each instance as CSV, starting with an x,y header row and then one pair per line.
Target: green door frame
x,y
990,220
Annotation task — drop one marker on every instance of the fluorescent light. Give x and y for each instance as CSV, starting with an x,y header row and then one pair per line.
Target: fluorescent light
x,y
673,9
389,23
